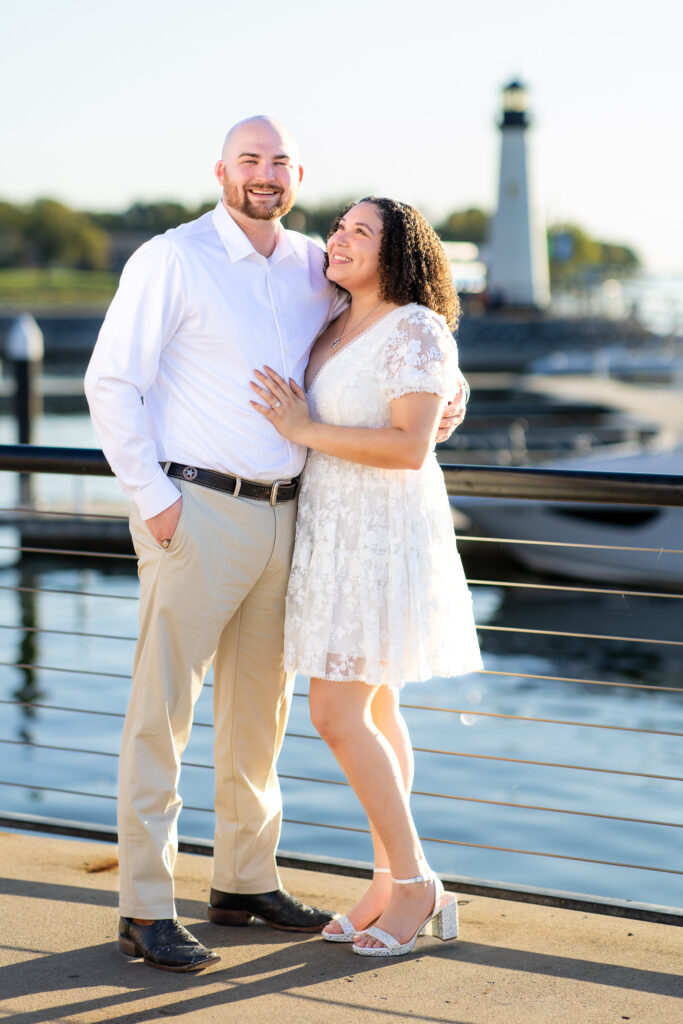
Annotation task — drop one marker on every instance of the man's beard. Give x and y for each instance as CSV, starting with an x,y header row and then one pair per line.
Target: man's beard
x,y
243,204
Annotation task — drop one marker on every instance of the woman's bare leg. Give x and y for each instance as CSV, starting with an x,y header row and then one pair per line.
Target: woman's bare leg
x,y
342,713
387,718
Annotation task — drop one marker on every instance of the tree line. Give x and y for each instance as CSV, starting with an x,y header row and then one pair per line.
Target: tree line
x,y
47,233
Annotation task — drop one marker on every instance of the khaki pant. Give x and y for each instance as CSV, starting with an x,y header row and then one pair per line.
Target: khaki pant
x,y
217,593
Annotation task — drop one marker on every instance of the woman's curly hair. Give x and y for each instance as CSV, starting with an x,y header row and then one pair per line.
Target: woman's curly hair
x,y
413,266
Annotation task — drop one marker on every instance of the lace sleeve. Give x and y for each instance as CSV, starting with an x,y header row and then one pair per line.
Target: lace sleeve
x,y
421,355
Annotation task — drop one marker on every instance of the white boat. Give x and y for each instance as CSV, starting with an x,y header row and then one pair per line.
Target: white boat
x,y
624,544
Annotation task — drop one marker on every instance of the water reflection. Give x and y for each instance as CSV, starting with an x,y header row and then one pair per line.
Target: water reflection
x,y
29,690
95,597
613,637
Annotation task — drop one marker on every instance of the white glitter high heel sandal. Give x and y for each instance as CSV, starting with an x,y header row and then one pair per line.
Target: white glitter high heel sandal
x,y
348,929
442,922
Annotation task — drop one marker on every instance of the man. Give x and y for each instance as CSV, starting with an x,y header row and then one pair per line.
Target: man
x,y
212,519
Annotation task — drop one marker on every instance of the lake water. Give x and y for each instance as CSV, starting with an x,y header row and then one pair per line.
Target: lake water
x,y
86,614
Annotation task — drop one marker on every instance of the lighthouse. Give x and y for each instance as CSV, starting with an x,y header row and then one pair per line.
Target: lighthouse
x,y
518,262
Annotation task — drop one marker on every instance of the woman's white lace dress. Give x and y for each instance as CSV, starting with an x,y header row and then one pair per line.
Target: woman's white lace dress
x,y
377,591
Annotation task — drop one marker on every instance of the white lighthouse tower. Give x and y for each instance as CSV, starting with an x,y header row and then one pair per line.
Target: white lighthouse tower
x,y
518,263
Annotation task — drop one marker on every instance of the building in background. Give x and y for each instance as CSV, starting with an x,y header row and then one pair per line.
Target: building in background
x,y
517,253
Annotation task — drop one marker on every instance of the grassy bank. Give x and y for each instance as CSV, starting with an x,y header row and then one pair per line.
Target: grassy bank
x,y
31,289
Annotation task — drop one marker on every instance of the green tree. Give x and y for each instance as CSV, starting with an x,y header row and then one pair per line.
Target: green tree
x,y
12,228
619,256
469,225
573,252
315,220
55,235
155,217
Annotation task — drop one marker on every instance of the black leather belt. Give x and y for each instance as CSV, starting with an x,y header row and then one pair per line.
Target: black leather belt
x,y
280,490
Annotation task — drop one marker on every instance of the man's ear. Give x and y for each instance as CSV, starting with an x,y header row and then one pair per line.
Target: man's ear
x,y
301,173
219,171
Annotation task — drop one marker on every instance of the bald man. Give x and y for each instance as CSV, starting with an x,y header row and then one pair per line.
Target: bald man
x,y
213,506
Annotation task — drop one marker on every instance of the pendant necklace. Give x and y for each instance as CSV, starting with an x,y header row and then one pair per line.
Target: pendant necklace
x,y
355,326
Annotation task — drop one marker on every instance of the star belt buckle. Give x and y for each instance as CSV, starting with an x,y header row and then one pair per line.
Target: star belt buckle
x,y
189,473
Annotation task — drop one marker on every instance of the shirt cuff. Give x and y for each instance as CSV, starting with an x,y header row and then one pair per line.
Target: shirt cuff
x,y
156,496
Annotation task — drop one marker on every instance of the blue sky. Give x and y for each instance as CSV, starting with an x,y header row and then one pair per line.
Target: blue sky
x,y
108,103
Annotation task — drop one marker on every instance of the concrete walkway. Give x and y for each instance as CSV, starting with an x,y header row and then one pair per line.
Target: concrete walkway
x,y
514,963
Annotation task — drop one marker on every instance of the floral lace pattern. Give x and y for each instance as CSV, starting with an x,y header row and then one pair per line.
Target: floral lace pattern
x,y
377,591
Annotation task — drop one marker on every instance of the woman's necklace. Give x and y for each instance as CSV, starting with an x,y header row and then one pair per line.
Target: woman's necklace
x,y
355,326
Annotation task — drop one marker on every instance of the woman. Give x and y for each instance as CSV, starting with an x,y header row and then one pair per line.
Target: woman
x,y
377,595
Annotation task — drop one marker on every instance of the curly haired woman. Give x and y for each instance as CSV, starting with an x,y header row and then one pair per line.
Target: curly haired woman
x,y
377,594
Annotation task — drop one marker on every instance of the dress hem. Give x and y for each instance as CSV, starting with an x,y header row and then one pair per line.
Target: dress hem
x,y
478,667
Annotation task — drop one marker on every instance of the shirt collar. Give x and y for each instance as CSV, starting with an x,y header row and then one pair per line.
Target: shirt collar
x,y
236,243
283,247
238,246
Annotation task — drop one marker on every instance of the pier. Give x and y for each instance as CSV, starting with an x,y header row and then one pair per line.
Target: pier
x,y
513,962
543,962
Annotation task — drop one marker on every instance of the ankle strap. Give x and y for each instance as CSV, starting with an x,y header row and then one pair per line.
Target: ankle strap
x,y
381,871
411,881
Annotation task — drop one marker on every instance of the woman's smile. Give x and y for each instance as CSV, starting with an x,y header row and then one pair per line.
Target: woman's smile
x,y
353,249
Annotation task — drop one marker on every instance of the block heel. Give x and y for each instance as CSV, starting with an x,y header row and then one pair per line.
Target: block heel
x,y
444,924
128,946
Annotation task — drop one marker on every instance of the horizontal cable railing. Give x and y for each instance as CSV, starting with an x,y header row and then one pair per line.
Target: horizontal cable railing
x,y
569,544
71,593
341,782
417,749
480,481
563,588
584,682
482,628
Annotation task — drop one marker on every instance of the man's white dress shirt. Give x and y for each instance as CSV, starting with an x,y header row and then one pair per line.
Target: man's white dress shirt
x,y
197,310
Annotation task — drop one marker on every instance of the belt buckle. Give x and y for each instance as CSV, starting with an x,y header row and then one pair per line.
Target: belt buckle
x,y
238,486
274,489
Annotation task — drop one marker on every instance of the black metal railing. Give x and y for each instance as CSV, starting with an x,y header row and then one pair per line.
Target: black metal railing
x,y
481,481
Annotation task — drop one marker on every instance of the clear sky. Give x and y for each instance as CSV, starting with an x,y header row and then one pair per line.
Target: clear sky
x,y
106,103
